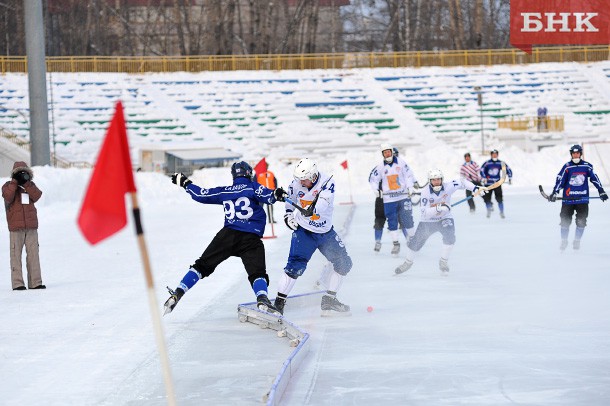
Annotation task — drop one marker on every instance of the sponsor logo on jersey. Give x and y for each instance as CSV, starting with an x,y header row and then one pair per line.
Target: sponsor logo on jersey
x,y
577,179
494,171
575,192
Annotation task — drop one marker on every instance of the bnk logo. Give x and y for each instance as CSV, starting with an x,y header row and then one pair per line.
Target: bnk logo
x,y
576,22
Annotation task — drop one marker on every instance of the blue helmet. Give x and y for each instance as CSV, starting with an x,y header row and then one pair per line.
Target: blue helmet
x,y
241,169
575,148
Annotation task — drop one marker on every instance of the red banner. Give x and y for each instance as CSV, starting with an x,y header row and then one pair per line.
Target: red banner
x,y
559,22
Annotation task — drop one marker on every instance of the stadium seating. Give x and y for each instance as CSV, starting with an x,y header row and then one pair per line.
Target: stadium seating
x,y
319,112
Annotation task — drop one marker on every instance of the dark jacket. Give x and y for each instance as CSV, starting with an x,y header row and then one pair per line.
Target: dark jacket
x,y
20,216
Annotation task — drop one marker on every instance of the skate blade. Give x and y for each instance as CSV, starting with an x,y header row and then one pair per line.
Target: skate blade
x,y
334,313
266,309
169,306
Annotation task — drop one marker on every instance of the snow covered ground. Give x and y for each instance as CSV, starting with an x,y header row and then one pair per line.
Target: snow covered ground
x,y
515,322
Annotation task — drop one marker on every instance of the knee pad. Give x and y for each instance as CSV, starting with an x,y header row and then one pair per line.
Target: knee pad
x,y
449,240
294,273
565,222
581,222
343,265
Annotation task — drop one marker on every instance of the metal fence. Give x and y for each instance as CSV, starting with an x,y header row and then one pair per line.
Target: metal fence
x,y
141,64
541,124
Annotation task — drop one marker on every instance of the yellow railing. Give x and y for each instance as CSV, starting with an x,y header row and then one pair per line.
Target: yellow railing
x,y
540,124
141,64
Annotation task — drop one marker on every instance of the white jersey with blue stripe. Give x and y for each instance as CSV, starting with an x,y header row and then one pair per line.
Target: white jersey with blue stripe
x,y
242,203
322,219
396,178
430,199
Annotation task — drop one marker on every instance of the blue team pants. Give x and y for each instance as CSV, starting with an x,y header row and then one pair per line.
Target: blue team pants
x,y
426,228
304,243
401,210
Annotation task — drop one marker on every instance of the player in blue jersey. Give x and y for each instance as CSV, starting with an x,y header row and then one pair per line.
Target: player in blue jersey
x,y
574,178
313,233
491,173
244,226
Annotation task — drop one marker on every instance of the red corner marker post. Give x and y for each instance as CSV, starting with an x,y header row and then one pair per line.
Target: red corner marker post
x,y
345,166
103,214
103,211
559,22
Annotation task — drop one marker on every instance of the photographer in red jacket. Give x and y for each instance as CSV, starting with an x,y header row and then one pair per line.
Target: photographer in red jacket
x,y
20,194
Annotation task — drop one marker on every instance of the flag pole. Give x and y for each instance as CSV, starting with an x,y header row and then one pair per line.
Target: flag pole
x,y
349,182
152,301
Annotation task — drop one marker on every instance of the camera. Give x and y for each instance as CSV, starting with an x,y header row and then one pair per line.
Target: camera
x,y
21,177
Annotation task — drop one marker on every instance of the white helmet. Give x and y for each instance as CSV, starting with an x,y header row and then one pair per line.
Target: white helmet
x,y
435,174
306,169
384,147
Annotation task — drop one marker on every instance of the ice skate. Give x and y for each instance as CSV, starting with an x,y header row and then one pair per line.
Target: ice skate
x,y
395,248
279,304
263,303
488,213
502,214
564,245
173,300
443,266
576,244
377,246
472,211
332,307
404,267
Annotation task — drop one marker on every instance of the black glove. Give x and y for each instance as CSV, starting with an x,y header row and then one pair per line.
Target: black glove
x,y
552,197
21,177
510,181
603,196
280,194
291,223
181,180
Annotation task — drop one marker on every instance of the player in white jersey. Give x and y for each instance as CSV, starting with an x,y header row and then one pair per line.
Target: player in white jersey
x,y
436,216
397,182
311,233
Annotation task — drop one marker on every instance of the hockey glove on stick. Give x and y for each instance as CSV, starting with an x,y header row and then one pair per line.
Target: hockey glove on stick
x,y
603,196
481,190
280,194
181,180
552,197
291,223
442,208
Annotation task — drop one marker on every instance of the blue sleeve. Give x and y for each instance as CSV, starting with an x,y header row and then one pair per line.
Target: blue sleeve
x,y
560,179
206,196
595,180
509,171
263,194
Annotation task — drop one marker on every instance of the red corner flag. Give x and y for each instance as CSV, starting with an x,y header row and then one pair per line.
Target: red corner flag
x,y
261,166
344,164
103,211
